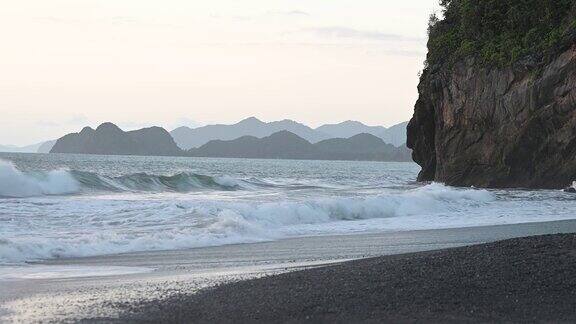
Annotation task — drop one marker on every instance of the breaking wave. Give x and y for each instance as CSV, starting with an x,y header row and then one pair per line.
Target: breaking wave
x,y
143,182
16,184
97,227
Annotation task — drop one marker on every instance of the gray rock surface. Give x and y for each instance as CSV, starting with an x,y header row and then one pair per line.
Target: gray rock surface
x,y
498,127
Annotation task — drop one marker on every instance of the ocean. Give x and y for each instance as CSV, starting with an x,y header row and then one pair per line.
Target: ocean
x,y
56,206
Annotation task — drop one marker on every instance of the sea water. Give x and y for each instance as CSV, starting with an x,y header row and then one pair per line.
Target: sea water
x,y
59,206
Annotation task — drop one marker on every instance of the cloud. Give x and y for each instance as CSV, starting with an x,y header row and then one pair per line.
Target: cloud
x,y
47,123
58,20
410,53
293,13
265,15
115,21
75,120
357,34
372,48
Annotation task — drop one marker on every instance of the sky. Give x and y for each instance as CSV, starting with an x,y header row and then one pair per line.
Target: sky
x,y
66,64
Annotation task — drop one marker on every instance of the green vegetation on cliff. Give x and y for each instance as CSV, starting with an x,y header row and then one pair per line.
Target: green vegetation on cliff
x,y
498,32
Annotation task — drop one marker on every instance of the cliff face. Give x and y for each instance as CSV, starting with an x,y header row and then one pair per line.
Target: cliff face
x,y
498,126
108,139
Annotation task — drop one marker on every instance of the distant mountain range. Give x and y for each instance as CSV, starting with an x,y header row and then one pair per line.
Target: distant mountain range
x,y
43,147
46,147
395,135
188,138
109,139
349,128
287,145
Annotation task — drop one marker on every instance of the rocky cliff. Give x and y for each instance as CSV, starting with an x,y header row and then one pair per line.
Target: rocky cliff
x,y
505,123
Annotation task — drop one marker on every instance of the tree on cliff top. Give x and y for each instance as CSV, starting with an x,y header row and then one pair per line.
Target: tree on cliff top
x,y
498,32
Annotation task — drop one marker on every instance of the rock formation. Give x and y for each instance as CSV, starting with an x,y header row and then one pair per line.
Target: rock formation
x,y
482,124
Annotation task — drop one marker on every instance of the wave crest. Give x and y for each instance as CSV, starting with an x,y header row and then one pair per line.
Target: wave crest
x,y
14,183
181,224
143,182
17,184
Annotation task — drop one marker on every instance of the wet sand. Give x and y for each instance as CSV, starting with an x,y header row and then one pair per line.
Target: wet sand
x,y
519,280
167,286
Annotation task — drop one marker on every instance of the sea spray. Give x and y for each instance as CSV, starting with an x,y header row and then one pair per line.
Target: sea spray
x,y
87,227
143,182
128,204
14,183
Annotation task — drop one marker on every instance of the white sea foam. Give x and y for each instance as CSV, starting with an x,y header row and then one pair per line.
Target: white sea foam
x,y
228,181
87,227
65,271
127,210
14,183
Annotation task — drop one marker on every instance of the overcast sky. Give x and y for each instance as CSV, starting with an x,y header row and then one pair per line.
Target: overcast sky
x,y
69,63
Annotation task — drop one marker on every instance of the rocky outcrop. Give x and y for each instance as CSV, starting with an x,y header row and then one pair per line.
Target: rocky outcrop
x,y
108,139
498,127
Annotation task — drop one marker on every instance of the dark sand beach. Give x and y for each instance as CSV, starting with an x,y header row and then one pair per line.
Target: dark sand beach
x,y
518,280
393,279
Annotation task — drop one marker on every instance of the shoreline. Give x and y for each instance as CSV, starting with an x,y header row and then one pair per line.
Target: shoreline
x,y
529,279
185,272
478,234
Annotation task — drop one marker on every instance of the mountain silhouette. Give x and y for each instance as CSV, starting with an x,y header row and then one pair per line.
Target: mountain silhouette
x,y
287,145
109,139
349,128
43,147
188,138
395,135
